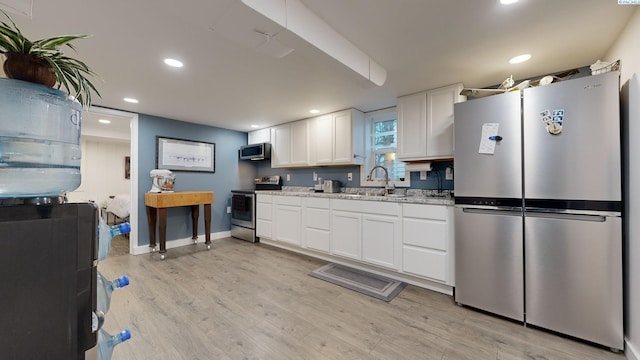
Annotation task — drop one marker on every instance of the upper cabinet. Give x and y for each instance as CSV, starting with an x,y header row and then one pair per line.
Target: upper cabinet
x,y
289,145
259,136
425,123
337,138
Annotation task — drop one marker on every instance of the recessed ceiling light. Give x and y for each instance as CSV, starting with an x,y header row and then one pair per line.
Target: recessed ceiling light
x,y
520,58
314,111
104,121
173,63
131,100
255,126
508,2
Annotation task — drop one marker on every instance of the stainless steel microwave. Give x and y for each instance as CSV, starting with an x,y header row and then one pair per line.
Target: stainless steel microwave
x,y
259,151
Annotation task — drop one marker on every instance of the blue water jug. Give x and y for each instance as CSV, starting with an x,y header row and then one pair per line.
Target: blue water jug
x,y
106,287
106,233
106,342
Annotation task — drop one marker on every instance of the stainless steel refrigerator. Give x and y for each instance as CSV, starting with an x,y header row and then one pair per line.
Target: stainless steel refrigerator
x,y
538,227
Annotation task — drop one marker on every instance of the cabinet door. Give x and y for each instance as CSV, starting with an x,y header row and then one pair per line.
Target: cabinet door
x,y
322,139
259,136
380,240
346,234
342,138
412,126
287,223
440,120
281,146
299,143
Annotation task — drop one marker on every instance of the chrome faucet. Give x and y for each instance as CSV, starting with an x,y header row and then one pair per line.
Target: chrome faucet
x,y
387,187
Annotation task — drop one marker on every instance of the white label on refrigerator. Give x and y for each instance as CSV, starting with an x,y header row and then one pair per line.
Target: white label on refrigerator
x,y
489,138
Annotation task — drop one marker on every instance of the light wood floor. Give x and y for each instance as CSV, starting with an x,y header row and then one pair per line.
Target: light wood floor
x,y
245,301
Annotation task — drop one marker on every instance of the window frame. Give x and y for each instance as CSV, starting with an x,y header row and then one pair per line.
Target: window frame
x,y
369,159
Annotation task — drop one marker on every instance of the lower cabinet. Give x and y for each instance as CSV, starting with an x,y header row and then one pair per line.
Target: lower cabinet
x,y
427,240
288,219
367,231
346,234
380,237
413,239
264,218
317,224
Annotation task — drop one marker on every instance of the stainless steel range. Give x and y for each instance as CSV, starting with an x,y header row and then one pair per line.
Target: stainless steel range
x,y
243,207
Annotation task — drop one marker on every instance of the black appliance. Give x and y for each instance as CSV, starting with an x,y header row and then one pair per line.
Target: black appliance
x,y
243,207
48,292
261,151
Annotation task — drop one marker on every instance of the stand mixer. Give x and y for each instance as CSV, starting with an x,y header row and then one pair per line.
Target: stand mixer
x,y
162,180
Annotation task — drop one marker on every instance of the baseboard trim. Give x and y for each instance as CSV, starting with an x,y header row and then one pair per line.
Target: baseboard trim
x,y
631,352
423,283
171,244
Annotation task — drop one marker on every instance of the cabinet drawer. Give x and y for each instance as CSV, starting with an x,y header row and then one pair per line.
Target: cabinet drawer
x,y
426,233
319,203
425,262
287,200
425,211
368,207
317,219
317,239
263,211
263,228
264,198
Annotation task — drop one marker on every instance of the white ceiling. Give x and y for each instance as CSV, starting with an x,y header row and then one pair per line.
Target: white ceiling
x,y
225,82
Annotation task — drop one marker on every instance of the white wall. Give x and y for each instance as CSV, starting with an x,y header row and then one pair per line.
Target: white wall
x,y
102,169
627,50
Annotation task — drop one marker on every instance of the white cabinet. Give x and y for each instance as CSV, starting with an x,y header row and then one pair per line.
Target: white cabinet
x,y
289,145
346,239
288,219
425,123
264,215
317,224
367,231
259,136
427,241
380,240
337,138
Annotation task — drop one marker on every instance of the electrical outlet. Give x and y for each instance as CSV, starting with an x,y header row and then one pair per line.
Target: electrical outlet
x,y
228,209
449,174
288,177
349,176
315,176
423,175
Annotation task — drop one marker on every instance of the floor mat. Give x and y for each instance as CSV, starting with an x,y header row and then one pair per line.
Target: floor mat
x,y
374,285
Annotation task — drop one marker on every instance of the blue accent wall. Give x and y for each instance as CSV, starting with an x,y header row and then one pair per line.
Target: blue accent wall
x,y
230,173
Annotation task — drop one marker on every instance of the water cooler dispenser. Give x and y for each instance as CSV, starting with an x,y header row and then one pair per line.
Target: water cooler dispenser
x,y
48,292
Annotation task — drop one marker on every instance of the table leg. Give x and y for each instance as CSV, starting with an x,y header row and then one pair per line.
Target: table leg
x,y
152,215
195,213
162,229
207,223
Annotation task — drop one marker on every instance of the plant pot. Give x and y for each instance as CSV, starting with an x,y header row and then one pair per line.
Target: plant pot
x,y
29,68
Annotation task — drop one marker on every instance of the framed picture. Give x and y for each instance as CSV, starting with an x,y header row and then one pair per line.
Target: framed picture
x,y
127,167
185,155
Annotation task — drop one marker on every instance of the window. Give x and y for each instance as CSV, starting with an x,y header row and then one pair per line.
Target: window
x,y
381,146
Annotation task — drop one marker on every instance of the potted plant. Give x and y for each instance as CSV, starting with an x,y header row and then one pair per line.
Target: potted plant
x,y
42,61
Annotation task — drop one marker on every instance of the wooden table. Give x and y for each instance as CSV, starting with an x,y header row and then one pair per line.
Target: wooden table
x,y
157,204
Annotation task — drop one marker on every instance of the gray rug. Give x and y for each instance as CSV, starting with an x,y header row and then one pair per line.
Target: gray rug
x,y
363,282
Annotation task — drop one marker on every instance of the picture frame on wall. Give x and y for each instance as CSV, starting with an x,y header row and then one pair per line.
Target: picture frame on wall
x,y
185,155
127,167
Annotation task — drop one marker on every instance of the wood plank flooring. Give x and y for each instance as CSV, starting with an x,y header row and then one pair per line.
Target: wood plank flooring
x,y
251,301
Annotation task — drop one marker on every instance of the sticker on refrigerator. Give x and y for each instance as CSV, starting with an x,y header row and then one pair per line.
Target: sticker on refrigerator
x,y
552,120
489,138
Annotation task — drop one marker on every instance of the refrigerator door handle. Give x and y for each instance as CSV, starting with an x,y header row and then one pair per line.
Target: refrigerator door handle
x,y
493,211
565,216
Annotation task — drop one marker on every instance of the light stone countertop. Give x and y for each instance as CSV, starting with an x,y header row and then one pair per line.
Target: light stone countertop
x,y
407,196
